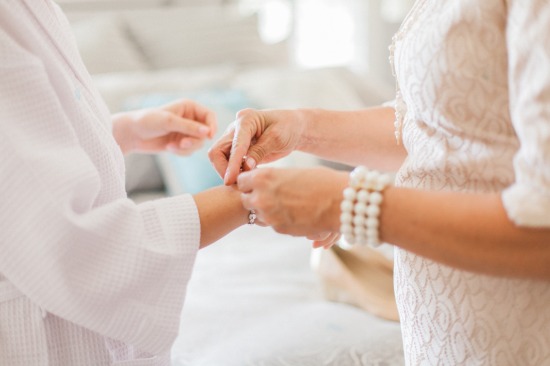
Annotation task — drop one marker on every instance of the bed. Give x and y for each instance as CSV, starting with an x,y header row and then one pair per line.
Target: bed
x,y
254,298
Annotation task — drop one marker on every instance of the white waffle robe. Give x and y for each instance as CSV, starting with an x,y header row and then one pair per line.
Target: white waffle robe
x,y
87,277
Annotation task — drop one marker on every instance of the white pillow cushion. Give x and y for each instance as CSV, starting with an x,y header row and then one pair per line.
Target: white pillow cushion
x,y
117,88
197,36
105,46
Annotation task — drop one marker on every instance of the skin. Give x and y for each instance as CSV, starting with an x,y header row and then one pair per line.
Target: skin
x,y
469,231
181,128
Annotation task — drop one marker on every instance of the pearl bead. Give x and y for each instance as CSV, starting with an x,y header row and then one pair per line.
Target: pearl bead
x,y
359,173
372,222
346,218
349,238
372,176
355,182
375,198
358,220
363,196
346,206
350,194
360,208
373,211
346,229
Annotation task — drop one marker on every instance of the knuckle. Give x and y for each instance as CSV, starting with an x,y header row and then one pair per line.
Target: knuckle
x,y
244,113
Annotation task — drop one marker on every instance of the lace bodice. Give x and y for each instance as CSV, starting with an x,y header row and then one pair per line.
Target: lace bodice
x,y
475,89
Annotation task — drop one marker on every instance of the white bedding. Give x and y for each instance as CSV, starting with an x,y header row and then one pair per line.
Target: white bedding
x,y
253,300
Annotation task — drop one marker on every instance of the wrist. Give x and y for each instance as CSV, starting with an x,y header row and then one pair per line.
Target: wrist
x,y
341,181
361,206
305,119
121,132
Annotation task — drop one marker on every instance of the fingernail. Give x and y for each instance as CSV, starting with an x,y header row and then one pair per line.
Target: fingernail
x,y
226,177
203,130
251,163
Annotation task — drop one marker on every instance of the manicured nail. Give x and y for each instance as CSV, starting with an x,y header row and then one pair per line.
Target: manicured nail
x,y
251,163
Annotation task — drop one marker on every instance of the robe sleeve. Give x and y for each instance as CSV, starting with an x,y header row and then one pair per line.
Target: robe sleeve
x,y
117,268
527,201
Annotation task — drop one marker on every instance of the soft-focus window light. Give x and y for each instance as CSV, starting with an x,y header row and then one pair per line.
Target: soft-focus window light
x,y
324,33
275,18
275,21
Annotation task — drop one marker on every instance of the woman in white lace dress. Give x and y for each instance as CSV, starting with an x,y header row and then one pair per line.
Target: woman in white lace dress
x,y
470,210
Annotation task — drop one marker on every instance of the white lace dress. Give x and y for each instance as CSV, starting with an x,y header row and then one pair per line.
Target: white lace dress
x,y
475,85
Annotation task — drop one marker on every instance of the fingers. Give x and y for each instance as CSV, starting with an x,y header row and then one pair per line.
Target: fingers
x,y
208,117
185,146
242,139
245,183
191,111
185,126
220,151
328,241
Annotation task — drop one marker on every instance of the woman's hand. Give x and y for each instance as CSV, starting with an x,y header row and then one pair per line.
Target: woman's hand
x,y
300,202
179,127
262,136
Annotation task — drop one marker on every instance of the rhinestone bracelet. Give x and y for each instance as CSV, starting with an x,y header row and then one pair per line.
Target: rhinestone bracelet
x,y
361,206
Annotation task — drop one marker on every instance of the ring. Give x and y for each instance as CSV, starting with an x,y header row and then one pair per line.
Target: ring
x,y
252,217
242,163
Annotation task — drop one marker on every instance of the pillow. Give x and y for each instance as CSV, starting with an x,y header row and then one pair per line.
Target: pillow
x,y
105,46
116,88
194,173
197,36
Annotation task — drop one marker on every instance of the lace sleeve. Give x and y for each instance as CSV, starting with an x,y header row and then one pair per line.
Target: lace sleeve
x,y
527,201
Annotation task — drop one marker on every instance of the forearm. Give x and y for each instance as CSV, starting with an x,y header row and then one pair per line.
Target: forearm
x,y
364,137
468,231
464,230
220,211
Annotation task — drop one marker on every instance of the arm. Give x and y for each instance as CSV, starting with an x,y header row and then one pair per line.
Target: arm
x,y
220,211
357,137
469,231
363,137
463,230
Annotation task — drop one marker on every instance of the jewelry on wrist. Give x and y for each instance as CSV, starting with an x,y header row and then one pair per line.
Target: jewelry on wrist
x,y
252,217
361,206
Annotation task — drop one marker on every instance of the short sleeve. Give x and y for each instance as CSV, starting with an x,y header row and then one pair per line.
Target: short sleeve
x,y
527,201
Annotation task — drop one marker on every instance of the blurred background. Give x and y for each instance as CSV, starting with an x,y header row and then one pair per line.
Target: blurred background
x,y
232,54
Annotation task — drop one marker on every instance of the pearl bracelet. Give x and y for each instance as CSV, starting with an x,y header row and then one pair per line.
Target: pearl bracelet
x,y
361,206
